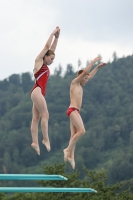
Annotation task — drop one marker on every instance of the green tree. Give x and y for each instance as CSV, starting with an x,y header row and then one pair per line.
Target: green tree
x,y
96,180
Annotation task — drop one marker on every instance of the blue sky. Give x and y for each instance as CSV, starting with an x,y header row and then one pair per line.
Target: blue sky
x,y
88,28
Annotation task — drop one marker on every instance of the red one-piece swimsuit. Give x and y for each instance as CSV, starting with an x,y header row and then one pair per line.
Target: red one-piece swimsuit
x,y
41,79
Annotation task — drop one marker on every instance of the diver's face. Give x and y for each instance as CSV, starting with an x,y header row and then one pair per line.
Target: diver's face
x,y
49,59
84,80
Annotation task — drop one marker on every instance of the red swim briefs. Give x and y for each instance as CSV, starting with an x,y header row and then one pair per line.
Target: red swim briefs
x,y
71,109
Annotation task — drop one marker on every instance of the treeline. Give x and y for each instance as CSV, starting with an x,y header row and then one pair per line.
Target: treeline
x,y
106,111
93,179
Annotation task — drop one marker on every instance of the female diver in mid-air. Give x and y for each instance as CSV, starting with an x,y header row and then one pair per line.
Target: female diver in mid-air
x,y
41,74
73,112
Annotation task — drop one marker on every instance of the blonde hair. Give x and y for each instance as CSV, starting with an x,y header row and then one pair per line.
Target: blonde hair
x,y
49,52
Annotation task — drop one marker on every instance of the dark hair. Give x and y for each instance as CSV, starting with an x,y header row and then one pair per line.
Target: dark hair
x,y
80,72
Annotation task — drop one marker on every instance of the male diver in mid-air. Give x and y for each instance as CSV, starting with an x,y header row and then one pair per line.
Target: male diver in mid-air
x,y
76,92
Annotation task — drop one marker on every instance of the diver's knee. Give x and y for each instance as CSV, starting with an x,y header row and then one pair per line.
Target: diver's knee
x,y
35,119
45,116
83,131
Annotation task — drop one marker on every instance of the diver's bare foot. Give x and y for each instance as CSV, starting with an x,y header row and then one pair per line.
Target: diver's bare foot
x,y
72,162
47,144
36,147
66,154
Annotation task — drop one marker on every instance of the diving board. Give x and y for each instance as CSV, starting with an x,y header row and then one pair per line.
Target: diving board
x,y
45,189
31,177
39,189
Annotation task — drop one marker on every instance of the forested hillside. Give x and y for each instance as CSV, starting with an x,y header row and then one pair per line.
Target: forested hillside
x,y
107,112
